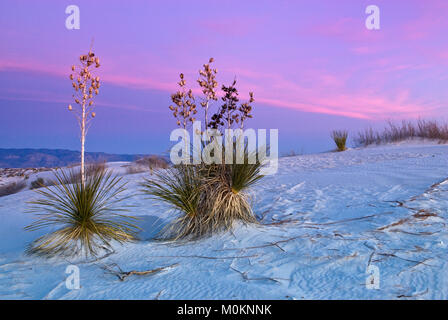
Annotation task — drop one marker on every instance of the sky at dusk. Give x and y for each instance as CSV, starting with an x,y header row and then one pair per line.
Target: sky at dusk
x,y
312,65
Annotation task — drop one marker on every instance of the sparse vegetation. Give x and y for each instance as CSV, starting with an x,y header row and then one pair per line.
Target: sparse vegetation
x,y
292,153
423,129
76,175
89,215
38,183
340,138
90,170
12,187
145,164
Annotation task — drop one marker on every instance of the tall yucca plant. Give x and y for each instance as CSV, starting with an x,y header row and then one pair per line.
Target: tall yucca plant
x,y
208,197
86,86
88,214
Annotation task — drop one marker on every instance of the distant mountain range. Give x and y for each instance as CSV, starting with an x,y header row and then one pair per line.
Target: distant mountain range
x,y
50,158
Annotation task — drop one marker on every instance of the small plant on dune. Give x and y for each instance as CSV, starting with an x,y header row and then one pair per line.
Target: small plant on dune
x,y
340,138
209,197
38,183
89,215
393,132
12,188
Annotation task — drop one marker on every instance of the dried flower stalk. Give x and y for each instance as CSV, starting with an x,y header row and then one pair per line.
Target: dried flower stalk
x,y
86,87
184,107
207,82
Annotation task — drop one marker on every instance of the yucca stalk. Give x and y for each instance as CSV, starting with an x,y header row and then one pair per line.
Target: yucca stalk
x,y
86,87
88,215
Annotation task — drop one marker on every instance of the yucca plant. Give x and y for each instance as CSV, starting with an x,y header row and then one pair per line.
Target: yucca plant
x,y
88,214
340,138
228,196
181,188
207,197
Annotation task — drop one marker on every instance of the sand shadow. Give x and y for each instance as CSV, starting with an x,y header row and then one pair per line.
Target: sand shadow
x,y
150,226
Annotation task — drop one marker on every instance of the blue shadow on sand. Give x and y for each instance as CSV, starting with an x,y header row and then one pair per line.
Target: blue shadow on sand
x,y
151,227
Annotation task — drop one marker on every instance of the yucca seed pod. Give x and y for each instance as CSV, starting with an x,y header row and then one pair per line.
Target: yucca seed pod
x,y
70,108
93,114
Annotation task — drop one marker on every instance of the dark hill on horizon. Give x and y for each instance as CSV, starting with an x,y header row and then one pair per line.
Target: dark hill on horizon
x,y
50,158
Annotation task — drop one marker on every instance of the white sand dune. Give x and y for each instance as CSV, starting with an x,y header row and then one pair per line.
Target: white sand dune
x,y
326,219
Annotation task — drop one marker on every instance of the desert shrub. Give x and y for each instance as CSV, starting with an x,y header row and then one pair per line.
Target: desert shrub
x,y
424,129
367,137
133,169
292,153
88,215
94,168
91,169
12,187
340,138
145,164
38,183
153,162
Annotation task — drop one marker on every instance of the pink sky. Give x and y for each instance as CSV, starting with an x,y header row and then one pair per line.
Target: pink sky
x,y
308,56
